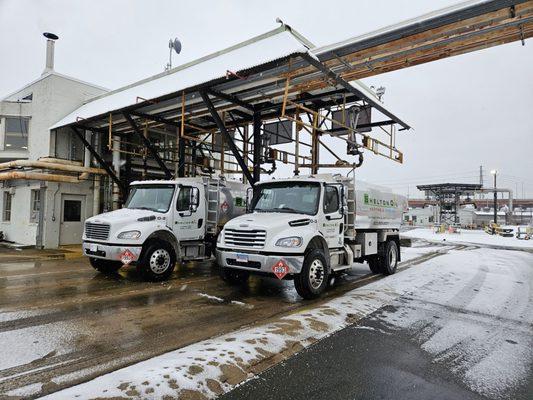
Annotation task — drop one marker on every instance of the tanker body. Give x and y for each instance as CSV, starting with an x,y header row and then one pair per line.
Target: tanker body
x,y
309,228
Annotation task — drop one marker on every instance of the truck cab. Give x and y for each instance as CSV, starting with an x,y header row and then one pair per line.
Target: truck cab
x,y
305,228
161,222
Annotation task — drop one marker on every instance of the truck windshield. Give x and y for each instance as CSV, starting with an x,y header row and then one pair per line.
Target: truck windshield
x,y
289,197
150,197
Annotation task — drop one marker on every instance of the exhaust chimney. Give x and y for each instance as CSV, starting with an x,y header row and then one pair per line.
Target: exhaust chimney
x,y
51,38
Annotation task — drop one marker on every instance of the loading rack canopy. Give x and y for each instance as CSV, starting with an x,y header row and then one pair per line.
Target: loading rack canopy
x,y
280,74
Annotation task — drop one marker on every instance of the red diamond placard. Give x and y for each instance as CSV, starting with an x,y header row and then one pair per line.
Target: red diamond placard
x,y
224,207
126,257
280,269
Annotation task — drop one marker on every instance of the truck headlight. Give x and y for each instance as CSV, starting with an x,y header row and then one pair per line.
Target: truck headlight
x,y
293,241
129,235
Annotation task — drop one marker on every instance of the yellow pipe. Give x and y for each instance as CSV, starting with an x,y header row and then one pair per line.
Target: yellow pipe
x,y
6,176
50,165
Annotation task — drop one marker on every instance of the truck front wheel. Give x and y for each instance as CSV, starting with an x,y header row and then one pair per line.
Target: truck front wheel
x,y
313,278
105,266
157,261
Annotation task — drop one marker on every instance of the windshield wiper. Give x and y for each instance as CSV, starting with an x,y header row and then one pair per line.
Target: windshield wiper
x,y
288,209
143,208
279,209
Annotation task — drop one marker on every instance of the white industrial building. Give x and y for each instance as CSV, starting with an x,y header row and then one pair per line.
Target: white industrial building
x,y
49,212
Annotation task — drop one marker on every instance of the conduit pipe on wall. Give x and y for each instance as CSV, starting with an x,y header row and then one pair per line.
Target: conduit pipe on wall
x,y
50,165
38,176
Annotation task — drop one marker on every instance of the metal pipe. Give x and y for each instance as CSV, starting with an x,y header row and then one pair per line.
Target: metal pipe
x,y
59,161
96,182
51,165
116,167
49,65
38,176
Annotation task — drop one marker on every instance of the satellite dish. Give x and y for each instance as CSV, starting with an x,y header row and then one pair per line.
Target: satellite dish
x,y
50,35
172,44
175,44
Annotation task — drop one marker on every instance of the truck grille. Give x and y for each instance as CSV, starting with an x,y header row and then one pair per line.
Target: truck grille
x,y
245,238
96,231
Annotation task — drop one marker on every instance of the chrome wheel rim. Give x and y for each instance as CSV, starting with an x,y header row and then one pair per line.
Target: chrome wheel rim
x,y
392,257
159,261
316,274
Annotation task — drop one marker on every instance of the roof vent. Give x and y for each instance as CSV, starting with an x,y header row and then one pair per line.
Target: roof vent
x,y
51,38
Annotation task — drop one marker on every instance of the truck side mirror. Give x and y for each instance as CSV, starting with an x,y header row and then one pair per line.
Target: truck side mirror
x,y
194,200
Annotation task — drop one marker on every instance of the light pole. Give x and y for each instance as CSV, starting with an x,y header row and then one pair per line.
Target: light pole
x,y
495,173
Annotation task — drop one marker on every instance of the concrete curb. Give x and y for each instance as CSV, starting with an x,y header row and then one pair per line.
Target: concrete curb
x,y
69,255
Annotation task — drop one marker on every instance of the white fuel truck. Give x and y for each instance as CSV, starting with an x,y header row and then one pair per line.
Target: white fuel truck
x,y
308,228
163,222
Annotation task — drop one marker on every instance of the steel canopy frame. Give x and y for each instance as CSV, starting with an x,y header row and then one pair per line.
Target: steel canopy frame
x,y
319,80
448,196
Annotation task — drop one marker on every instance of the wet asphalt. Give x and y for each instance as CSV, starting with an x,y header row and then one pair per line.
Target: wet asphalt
x,y
63,323
359,362
466,335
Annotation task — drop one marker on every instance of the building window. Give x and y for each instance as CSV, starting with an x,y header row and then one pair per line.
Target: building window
x,y
16,136
72,211
7,206
35,205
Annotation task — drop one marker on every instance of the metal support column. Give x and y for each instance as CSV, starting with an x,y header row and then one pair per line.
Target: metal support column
x,y
257,146
315,143
227,137
181,157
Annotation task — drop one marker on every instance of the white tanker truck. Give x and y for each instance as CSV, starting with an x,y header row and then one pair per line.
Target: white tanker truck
x,y
161,223
308,228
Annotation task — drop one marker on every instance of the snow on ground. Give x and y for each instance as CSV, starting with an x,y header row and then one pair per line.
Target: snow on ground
x,y
209,368
420,248
469,236
475,318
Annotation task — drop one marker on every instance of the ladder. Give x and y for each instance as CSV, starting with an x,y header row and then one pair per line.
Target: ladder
x,y
349,220
212,189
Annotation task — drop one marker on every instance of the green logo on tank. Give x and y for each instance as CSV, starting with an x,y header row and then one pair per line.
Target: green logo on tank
x,y
372,201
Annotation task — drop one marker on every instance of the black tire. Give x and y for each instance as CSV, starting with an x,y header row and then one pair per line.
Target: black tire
x,y
105,266
390,258
313,279
234,276
374,263
157,261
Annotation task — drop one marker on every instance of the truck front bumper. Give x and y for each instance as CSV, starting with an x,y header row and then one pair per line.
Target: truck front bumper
x,y
258,262
115,252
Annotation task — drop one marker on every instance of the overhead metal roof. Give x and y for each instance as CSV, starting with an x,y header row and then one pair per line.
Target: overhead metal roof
x,y
262,49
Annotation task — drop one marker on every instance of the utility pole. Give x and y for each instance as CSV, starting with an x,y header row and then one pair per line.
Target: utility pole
x,y
481,179
495,173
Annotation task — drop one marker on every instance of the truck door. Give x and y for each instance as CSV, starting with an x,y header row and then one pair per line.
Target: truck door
x,y
332,226
189,212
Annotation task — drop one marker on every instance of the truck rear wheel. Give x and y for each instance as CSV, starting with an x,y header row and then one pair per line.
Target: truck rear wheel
x,y
390,258
313,278
157,262
105,266
374,263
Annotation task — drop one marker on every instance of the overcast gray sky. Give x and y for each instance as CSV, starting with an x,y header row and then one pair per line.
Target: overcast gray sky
x,y
471,110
